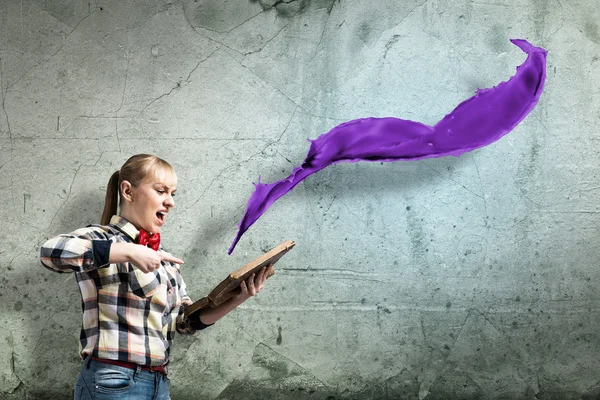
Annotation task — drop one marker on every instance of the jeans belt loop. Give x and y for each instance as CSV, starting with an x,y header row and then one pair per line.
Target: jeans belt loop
x,y
136,373
87,361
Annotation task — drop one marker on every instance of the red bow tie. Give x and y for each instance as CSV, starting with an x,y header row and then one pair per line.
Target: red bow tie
x,y
152,241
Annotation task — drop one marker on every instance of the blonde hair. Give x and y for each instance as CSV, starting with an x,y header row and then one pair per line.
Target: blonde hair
x,y
137,169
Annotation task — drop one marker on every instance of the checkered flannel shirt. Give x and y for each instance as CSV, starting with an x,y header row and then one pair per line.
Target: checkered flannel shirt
x,y
127,315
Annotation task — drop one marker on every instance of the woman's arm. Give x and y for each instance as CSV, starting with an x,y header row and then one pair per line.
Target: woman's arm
x,y
87,249
78,251
144,258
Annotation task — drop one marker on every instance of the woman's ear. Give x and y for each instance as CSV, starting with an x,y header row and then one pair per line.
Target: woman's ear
x,y
126,191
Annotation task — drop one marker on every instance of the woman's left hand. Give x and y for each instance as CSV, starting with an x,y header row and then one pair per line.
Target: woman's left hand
x,y
248,288
254,284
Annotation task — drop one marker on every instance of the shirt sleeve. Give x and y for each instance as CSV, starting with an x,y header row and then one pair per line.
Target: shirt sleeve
x,y
188,326
82,250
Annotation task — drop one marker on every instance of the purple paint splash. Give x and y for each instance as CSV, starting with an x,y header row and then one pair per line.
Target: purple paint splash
x,y
476,122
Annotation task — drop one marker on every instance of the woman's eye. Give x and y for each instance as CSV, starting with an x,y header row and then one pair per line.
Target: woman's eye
x,y
160,191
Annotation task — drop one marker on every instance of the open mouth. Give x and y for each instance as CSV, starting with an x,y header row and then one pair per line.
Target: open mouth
x,y
161,216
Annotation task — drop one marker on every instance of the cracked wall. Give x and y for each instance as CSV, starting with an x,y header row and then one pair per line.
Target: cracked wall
x,y
470,277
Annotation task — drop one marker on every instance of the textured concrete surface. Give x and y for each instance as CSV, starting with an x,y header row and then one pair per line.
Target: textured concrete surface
x,y
471,277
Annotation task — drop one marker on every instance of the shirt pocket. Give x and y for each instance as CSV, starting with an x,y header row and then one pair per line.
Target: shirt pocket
x,y
111,279
142,284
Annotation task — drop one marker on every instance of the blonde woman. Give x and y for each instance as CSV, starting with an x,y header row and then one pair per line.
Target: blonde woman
x,y
133,294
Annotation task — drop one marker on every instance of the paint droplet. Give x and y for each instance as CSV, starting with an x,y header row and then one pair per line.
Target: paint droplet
x,y
279,338
18,306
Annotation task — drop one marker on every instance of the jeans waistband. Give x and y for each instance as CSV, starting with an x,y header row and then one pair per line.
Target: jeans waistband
x,y
160,368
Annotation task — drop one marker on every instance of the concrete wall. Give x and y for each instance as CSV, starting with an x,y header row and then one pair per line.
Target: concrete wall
x,y
470,277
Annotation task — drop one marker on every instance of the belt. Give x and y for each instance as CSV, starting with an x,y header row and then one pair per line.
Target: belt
x,y
158,368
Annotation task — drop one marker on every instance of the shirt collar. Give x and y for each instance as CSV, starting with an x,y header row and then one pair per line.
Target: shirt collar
x,y
125,226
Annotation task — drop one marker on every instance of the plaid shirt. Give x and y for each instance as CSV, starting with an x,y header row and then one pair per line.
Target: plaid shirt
x,y
127,315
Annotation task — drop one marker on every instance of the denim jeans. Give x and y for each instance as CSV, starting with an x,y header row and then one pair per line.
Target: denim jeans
x,y
100,381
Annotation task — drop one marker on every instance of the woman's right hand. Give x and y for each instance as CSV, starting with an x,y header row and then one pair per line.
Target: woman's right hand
x,y
148,260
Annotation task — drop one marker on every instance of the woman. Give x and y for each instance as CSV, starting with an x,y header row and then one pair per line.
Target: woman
x,y
133,295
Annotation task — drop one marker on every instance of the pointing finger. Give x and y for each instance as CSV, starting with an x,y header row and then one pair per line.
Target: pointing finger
x,y
170,258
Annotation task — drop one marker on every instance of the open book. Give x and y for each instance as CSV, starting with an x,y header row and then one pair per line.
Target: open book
x,y
230,286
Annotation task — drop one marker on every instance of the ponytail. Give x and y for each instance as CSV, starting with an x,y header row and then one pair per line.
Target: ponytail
x,y
112,199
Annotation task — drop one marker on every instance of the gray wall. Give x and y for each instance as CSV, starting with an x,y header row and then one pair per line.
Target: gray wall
x,y
470,277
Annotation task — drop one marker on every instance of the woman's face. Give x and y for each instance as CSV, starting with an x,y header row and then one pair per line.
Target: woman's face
x,y
151,201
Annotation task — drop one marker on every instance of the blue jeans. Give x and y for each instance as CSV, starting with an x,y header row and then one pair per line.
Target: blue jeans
x,y
100,381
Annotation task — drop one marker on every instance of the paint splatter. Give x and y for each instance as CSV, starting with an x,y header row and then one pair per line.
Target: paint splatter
x,y
476,122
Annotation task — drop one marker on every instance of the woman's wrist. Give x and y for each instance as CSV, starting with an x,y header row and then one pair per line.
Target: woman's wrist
x,y
239,299
121,252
